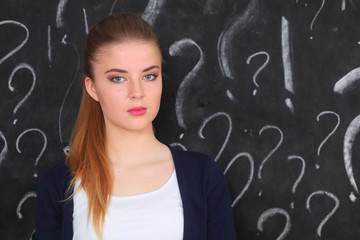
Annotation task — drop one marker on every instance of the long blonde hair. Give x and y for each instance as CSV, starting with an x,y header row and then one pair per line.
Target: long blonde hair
x,y
87,158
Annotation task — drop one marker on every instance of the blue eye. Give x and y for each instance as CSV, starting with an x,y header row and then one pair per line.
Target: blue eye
x,y
117,79
150,77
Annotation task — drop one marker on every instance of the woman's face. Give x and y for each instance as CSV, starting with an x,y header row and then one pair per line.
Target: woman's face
x,y
128,84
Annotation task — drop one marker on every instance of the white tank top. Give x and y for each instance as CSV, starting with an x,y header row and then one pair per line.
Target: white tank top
x,y
154,215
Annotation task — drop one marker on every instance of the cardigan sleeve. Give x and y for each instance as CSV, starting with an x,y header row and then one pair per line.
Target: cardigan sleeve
x,y
220,218
49,201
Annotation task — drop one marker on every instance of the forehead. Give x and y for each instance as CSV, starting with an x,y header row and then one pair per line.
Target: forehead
x,y
126,51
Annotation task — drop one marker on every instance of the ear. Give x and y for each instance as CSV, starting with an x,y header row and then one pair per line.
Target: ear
x,y
90,88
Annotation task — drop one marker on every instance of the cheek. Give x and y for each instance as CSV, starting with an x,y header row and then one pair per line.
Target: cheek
x,y
157,94
111,98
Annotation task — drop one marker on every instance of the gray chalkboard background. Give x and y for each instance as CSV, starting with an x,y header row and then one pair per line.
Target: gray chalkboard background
x,y
268,88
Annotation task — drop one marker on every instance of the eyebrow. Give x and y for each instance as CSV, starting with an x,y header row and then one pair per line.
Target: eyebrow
x,y
124,71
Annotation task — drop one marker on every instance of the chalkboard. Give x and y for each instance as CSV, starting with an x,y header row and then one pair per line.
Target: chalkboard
x,y
268,88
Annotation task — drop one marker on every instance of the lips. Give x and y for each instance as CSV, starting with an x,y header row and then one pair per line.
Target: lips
x,y
137,111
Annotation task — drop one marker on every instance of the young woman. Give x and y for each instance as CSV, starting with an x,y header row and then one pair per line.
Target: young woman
x,y
118,180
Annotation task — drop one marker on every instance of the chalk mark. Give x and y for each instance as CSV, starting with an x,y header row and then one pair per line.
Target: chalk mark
x,y
59,13
49,44
348,82
43,148
207,120
224,46
25,197
152,10
349,138
12,52
12,89
273,212
5,149
251,175
248,60
329,215
316,15
332,132
85,22
174,50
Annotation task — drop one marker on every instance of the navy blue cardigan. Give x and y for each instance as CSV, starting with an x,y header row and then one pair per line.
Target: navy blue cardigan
x,y
203,189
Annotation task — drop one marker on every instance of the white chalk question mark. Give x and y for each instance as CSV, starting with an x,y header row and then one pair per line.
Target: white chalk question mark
x,y
315,17
330,214
260,68
268,127
43,148
12,52
330,134
273,212
207,120
17,68
174,50
296,183
251,175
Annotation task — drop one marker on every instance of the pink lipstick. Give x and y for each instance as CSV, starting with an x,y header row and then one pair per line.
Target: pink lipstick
x,y
137,111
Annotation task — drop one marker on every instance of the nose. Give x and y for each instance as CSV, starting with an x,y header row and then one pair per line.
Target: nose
x,y
136,89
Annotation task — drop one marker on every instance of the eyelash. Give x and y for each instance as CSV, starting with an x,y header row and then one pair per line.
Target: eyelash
x,y
154,76
116,78
117,81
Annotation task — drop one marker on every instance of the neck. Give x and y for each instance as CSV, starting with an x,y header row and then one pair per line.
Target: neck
x,y
129,147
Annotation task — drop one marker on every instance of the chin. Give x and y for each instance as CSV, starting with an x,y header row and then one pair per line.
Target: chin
x,y
140,126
